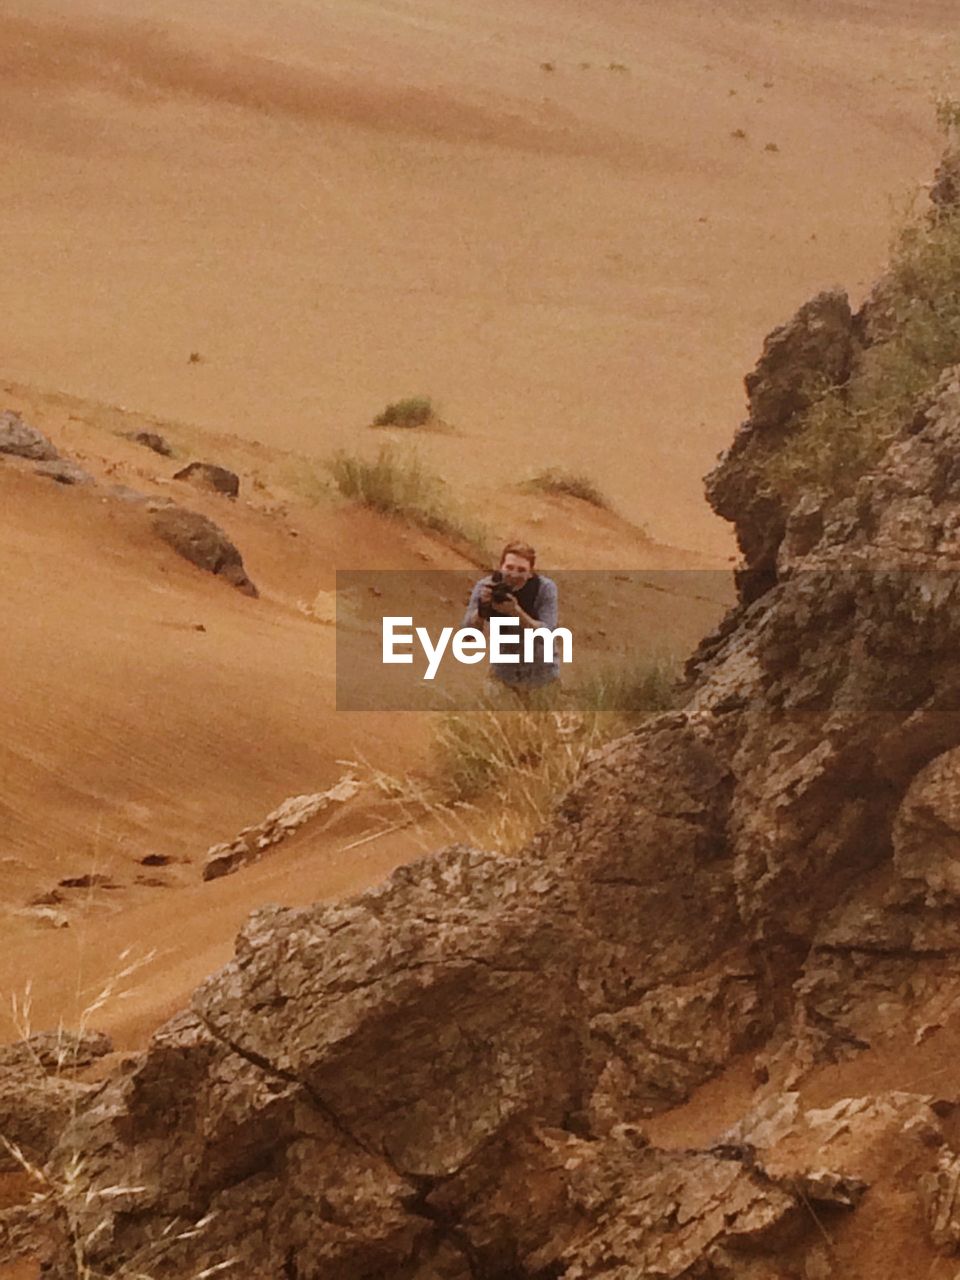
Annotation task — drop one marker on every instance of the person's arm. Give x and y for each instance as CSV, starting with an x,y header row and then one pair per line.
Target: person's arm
x,y
472,616
546,608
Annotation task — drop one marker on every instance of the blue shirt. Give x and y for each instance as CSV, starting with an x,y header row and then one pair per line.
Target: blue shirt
x,y
544,610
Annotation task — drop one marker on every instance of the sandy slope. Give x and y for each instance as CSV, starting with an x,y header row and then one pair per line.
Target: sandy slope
x,y
148,708
339,203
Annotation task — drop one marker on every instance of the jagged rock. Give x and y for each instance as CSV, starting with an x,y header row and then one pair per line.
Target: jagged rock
x,y
35,1228
63,471
35,1107
38,1094
224,859
800,358
815,350
804,529
207,475
926,829
22,440
665,1214
203,543
55,1051
824,1187
469,940
940,1197
152,440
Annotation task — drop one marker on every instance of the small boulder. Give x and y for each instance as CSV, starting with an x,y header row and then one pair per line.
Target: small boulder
x,y
207,475
64,472
22,440
152,440
37,1096
204,544
55,1051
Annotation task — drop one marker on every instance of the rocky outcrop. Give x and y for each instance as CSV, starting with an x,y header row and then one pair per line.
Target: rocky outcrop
x,y
293,813
800,360
207,475
55,1051
203,543
428,1124
39,1093
23,441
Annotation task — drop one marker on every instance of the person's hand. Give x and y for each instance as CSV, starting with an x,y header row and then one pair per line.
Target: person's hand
x,y
509,608
486,595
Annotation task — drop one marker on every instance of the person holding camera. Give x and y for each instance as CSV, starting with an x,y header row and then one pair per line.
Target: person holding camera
x,y
516,590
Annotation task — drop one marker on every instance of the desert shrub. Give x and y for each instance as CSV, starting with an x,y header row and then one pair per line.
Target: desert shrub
x,y
630,690
412,412
398,484
571,483
948,116
917,322
514,765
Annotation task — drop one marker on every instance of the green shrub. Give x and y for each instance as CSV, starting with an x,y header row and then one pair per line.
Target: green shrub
x,y
630,691
571,483
399,485
412,412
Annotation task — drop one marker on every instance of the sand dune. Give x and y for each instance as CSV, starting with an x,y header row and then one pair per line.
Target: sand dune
x,y
149,709
338,204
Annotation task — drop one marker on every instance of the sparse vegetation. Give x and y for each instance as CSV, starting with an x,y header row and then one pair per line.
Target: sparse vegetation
x,y
630,691
547,66
532,755
571,483
917,336
64,1179
399,485
415,411
948,116
915,326
498,771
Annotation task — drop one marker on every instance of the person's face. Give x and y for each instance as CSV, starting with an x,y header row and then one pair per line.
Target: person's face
x,y
516,570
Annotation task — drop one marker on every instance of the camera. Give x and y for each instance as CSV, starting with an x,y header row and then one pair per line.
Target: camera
x,y
499,592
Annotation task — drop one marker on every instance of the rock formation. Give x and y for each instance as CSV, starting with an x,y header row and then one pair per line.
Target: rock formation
x,y
23,441
203,543
152,440
207,475
249,845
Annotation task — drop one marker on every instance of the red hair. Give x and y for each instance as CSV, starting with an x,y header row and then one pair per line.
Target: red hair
x,y
522,549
